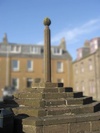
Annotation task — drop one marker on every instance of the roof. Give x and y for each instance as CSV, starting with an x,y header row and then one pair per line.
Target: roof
x,y
86,56
64,55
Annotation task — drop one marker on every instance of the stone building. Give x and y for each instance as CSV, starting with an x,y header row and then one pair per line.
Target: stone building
x,y
22,64
86,69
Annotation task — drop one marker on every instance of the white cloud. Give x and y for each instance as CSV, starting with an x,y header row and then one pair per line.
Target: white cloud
x,y
73,35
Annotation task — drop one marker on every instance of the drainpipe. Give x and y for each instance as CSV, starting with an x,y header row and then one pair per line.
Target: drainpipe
x,y
68,73
7,66
95,75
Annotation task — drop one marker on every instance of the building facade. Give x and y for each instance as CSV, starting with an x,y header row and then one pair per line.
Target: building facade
x,y
21,64
86,69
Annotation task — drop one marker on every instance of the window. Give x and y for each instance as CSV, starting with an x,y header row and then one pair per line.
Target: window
x,y
29,65
59,66
60,80
15,82
29,82
15,49
90,64
15,65
57,51
35,50
91,86
76,69
82,67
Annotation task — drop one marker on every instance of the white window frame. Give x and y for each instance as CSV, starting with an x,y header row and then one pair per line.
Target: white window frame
x,y
90,64
31,68
17,79
15,49
82,67
36,50
61,66
29,80
56,51
17,68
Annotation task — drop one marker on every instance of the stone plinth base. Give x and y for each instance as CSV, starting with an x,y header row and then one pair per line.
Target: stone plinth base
x,y
88,123
47,84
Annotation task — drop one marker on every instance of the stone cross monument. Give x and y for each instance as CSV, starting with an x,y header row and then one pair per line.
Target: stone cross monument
x,y
47,50
47,59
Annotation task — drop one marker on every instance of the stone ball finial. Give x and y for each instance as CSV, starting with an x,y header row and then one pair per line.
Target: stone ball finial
x,y
47,21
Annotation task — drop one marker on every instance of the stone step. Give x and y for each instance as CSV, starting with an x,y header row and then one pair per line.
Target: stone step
x,y
44,95
29,95
54,90
92,132
33,102
49,95
50,89
93,107
45,90
26,102
57,95
81,119
62,95
75,101
55,102
29,111
57,110
88,108
68,101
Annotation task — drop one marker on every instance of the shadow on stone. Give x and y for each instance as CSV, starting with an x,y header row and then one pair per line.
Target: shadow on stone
x,y
18,126
9,121
6,120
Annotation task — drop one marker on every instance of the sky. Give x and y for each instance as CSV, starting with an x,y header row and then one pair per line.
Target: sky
x,y
75,20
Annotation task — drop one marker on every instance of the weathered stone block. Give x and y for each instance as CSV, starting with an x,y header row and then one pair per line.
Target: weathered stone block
x,y
96,125
79,127
56,129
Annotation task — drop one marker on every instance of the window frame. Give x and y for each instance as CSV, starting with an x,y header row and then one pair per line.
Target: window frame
x,y
90,65
15,49
61,68
13,67
17,79
57,51
31,68
82,67
35,50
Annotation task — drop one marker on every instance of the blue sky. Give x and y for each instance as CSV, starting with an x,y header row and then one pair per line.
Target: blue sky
x,y
76,20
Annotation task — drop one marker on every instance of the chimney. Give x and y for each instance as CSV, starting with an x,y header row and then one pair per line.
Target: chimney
x,y
5,40
63,44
